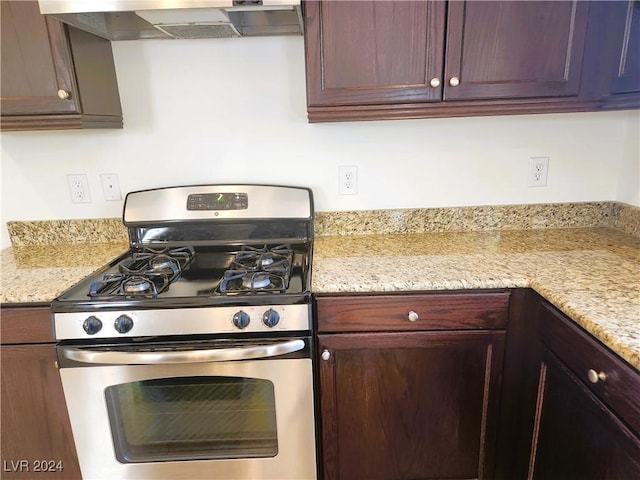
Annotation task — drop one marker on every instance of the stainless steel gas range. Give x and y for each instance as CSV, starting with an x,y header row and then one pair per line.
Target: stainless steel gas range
x,y
190,356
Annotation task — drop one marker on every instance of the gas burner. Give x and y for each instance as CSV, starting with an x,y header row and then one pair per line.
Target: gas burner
x,y
276,259
264,269
129,286
138,286
256,281
168,261
242,281
164,263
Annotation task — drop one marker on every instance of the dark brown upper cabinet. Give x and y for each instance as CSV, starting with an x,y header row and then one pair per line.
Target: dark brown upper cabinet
x,y
365,52
54,77
626,78
611,64
514,49
368,60
622,22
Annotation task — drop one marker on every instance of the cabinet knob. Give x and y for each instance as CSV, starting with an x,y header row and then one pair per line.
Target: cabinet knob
x,y
435,82
63,94
454,81
594,376
326,355
413,316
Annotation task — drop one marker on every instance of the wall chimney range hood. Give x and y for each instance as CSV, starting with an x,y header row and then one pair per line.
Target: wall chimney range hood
x,y
152,19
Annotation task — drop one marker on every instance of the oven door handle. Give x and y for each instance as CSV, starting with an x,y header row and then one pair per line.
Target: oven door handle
x,y
179,357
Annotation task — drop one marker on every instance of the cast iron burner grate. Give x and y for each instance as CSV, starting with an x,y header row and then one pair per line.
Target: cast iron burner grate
x,y
169,261
145,274
256,270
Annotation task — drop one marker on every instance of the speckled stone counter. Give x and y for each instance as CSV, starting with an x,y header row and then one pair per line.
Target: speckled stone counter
x,y
591,274
620,216
49,256
40,273
590,271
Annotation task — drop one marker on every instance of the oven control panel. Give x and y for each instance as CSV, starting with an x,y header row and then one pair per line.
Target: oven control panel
x,y
181,321
217,201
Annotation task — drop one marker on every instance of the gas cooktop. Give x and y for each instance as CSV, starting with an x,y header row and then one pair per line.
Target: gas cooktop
x,y
232,253
197,276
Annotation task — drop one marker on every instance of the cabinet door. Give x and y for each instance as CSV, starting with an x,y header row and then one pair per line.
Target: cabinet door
x,y
627,75
514,49
36,63
576,436
409,405
372,52
36,434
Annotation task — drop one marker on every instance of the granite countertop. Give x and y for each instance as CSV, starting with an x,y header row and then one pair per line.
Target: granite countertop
x,y
39,273
591,274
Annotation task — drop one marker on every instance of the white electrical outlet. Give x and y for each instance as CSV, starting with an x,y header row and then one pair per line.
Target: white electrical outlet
x,y
110,186
79,188
348,180
538,169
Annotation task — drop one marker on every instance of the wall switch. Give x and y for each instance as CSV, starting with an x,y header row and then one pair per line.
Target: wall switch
x,y
110,186
348,180
538,168
79,188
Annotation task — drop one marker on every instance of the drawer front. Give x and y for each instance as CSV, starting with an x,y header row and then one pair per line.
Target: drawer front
x,y
412,312
619,384
26,324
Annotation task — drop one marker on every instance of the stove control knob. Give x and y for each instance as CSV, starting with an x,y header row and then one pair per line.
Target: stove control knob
x,y
271,318
241,319
123,324
92,325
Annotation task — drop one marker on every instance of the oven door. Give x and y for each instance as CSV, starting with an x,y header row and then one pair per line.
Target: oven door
x,y
178,412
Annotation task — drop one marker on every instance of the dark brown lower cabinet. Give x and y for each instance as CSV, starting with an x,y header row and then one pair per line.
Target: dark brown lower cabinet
x,y
36,434
410,404
576,435
470,385
587,422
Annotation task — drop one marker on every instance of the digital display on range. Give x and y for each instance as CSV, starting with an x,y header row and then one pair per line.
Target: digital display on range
x,y
217,201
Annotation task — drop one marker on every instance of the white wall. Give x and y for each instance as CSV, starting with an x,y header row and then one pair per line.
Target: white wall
x,y
628,189
233,110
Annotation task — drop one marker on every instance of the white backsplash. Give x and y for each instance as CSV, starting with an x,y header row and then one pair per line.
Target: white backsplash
x,y
233,110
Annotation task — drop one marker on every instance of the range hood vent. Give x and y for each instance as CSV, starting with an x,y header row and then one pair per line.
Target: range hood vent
x,y
152,19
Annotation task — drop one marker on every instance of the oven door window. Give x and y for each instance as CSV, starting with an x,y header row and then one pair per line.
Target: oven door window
x,y
192,418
